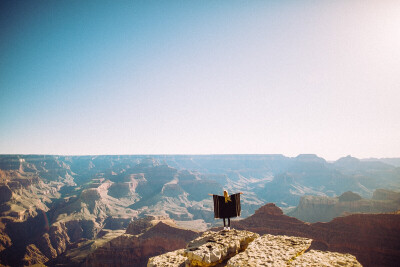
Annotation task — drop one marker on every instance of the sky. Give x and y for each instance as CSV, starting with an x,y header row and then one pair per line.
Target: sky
x,y
200,77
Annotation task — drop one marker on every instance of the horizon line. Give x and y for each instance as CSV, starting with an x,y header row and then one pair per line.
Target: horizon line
x,y
184,154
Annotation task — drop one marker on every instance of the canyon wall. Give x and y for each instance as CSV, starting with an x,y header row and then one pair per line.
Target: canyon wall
x,y
324,209
372,238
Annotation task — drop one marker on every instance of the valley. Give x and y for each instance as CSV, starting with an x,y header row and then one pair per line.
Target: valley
x,y
56,209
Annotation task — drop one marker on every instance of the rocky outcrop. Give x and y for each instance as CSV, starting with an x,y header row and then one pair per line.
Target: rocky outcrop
x,y
213,248
78,251
349,196
134,250
33,256
78,229
372,238
33,242
116,223
269,209
269,219
243,248
141,225
54,242
119,190
383,194
45,246
210,249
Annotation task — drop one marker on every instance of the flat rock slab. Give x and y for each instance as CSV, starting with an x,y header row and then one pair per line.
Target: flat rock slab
x,y
171,259
324,259
214,247
242,248
271,250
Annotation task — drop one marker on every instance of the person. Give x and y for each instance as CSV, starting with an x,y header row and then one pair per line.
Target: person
x,y
226,207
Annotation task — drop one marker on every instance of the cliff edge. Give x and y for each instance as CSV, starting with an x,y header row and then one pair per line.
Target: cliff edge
x,y
243,248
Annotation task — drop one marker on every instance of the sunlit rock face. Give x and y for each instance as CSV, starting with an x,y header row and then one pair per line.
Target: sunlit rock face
x,y
33,256
55,241
243,248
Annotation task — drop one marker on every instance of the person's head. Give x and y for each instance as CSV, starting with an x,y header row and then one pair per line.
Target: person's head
x,y
227,198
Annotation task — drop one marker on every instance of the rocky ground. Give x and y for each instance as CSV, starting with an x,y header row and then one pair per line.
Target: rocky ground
x,y
243,248
211,248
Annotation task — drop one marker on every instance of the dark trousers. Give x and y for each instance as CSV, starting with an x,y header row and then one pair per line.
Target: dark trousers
x,y
229,222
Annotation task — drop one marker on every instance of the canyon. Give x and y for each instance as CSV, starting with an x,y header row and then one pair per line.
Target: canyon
x,y
73,209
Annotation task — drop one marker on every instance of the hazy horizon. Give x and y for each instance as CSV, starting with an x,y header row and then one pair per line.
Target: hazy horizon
x,y
157,155
147,78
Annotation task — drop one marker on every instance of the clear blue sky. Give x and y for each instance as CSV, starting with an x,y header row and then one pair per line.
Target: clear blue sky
x,y
190,77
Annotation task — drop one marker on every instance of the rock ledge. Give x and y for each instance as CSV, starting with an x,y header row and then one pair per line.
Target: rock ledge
x,y
243,248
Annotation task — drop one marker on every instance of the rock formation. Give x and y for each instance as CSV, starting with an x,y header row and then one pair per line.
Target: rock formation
x,y
141,225
324,209
269,219
211,249
134,250
33,256
243,248
79,250
372,238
